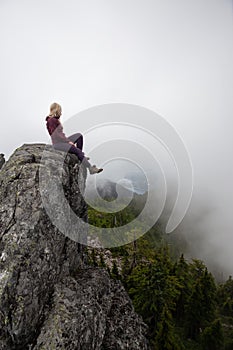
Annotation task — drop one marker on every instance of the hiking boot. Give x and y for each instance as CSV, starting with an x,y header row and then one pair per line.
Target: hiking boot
x,y
94,170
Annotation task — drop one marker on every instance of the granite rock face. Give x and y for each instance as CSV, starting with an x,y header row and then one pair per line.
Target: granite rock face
x,y
34,255
91,311
49,297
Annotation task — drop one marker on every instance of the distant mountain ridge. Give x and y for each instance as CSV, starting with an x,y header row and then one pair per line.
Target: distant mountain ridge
x,y
110,190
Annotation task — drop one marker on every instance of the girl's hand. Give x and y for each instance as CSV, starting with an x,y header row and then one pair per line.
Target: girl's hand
x,y
71,143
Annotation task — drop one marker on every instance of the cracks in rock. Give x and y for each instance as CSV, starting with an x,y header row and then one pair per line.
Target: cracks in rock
x,y
16,177
63,252
33,158
46,310
10,303
37,177
49,304
11,224
13,220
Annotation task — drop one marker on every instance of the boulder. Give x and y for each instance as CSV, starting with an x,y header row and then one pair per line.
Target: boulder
x,y
49,297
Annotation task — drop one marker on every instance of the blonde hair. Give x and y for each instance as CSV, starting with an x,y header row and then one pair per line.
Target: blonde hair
x,y
55,109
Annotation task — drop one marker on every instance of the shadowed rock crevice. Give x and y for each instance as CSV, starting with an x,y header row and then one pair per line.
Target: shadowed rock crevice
x,y
2,160
49,297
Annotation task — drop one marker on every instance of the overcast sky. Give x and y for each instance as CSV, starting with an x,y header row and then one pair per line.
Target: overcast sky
x,y
171,56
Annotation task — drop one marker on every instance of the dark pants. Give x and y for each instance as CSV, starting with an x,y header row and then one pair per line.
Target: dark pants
x,y
66,147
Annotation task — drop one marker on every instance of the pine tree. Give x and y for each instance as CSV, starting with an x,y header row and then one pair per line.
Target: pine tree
x,y
102,262
201,307
212,337
93,258
125,267
193,317
151,287
182,272
209,296
115,273
166,339
225,297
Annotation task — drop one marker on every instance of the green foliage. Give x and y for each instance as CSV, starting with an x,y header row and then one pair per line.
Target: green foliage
x,y
201,305
93,260
166,337
178,299
102,262
115,273
182,272
125,267
152,287
212,336
225,297
228,337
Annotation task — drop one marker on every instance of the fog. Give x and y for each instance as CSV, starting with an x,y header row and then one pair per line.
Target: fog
x,y
172,57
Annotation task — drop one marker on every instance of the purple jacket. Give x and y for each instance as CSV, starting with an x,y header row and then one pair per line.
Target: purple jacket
x,y
55,130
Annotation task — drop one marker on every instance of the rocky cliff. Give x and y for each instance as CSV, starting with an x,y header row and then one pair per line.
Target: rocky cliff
x,y
49,297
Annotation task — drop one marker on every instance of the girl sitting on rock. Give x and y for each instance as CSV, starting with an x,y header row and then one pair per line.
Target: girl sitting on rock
x,y
72,144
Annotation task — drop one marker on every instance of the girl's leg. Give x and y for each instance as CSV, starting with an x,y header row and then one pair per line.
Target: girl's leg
x,y
78,139
66,147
